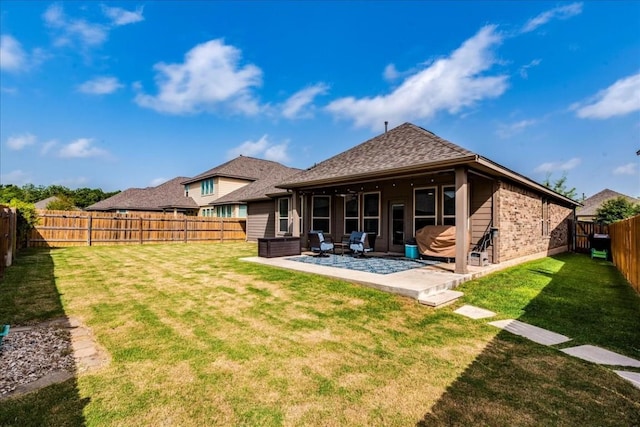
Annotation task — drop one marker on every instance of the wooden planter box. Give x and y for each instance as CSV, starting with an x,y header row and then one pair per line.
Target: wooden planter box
x,y
271,247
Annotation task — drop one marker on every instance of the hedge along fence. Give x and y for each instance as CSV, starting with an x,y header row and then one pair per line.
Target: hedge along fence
x,y
78,228
625,249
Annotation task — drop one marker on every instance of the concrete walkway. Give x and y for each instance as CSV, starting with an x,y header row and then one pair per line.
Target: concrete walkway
x,y
542,336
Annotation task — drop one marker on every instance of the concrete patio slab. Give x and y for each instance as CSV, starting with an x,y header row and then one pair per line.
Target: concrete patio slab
x,y
601,356
411,283
474,312
632,377
534,333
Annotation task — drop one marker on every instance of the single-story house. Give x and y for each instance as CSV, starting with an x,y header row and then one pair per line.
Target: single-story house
x,y
208,188
587,212
408,178
165,198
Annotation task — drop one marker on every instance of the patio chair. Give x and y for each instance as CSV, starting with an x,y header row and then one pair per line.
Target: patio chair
x,y
319,243
359,243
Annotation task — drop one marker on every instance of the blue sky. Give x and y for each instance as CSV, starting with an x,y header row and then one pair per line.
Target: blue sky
x,y
128,94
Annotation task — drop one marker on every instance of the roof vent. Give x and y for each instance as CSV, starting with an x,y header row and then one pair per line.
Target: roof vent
x,y
386,123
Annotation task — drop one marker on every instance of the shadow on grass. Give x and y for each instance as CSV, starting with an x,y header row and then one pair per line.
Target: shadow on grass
x,y
517,382
29,297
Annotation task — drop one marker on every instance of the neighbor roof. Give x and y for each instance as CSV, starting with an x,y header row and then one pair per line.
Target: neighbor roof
x,y
406,149
260,189
242,167
591,204
167,195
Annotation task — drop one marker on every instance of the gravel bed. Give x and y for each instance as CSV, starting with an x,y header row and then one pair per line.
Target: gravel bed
x,y
27,356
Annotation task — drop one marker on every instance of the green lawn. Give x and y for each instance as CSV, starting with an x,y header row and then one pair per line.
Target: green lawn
x,y
197,337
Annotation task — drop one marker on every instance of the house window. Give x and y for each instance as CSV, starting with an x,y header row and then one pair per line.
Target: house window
x,y
186,190
424,207
321,214
225,211
242,211
371,213
546,221
283,215
206,187
449,205
207,212
351,214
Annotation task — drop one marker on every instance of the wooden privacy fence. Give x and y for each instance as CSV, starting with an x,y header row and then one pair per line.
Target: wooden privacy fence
x,y
8,233
625,248
582,231
78,228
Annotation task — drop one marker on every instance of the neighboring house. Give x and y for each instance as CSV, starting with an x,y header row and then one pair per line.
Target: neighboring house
x,y
209,188
167,197
269,210
588,211
407,178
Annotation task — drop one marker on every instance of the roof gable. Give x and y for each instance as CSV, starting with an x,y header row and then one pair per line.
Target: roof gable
x,y
591,204
260,189
405,146
242,167
168,194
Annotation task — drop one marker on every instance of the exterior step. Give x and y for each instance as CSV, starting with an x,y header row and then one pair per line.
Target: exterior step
x,y
440,298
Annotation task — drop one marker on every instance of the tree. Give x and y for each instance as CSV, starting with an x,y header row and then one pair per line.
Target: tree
x,y
61,203
616,209
560,186
27,219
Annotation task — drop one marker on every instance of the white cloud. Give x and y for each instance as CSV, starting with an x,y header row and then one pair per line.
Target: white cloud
x,y
69,31
622,97
12,56
628,169
560,12
120,16
558,166
18,142
71,182
524,70
16,177
261,148
390,72
100,86
449,84
48,146
157,181
81,148
209,79
295,106
508,130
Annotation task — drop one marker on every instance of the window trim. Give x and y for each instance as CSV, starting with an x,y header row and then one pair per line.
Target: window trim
x,y
443,216
313,218
357,218
435,210
364,218
207,187
279,218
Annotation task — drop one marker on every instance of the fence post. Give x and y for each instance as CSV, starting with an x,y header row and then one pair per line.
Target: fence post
x,y
186,229
141,230
89,229
221,230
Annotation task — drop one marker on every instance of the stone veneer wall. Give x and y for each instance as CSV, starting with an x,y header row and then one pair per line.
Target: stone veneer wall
x,y
520,223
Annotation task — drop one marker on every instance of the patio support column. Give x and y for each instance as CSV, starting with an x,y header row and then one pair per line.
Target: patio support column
x,y
462,220
295,215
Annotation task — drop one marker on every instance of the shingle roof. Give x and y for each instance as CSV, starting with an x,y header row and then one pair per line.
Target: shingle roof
x,y
260,189
241,167
42,204
405,146
591,204
167,195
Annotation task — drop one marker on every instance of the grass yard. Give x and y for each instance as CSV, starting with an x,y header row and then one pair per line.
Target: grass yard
x,y
198,337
